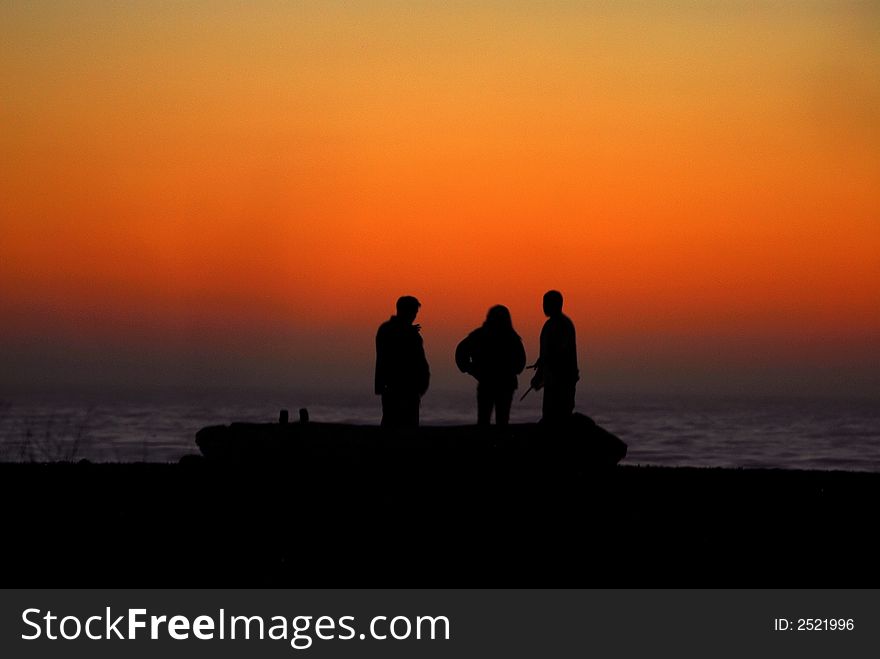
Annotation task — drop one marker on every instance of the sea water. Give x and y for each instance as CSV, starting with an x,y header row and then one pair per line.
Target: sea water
x,y
704,431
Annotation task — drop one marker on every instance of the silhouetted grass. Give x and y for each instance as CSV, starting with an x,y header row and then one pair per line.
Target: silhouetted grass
x,y
60,438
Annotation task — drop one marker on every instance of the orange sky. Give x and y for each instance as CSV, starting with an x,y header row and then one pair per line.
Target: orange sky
x,y
258,182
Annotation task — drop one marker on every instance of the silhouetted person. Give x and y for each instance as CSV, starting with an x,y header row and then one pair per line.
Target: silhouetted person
x,y
557,368
402,373
494,355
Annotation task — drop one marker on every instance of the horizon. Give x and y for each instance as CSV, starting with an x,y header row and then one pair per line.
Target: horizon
x,y
213,193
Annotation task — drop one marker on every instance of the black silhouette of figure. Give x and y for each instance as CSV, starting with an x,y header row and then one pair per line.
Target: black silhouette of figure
x,y
494,355
556,368
402,373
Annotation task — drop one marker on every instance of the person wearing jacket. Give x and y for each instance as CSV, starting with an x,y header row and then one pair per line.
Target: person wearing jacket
x,y
402,372
494,355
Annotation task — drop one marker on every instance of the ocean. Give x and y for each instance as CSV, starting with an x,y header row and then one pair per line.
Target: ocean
x,y
700,431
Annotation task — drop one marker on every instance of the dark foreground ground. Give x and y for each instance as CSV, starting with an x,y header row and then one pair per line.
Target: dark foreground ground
x,y
543,524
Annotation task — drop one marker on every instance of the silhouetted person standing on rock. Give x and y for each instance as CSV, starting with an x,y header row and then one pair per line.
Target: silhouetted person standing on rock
x,y
557,368
402,372
494,355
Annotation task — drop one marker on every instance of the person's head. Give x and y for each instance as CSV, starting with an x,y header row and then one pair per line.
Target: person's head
x,y
408,308
498,319
552,303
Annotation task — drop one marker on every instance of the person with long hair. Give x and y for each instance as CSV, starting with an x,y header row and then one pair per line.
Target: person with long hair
x,y
494,355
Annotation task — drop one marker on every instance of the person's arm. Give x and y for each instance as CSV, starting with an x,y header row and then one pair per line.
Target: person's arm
x,y
426,370
463,355
571,360
381,361
519,357
538,378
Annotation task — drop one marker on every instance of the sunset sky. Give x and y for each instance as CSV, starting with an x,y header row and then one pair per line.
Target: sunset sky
x,y
237,192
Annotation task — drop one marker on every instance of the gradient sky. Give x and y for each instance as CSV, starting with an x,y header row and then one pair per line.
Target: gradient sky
x,y
197,192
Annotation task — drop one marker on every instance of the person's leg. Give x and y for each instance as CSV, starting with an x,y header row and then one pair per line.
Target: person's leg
x,y
400,410
558,404
484,405
390,411
548,406
410,410
503,401
566,400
